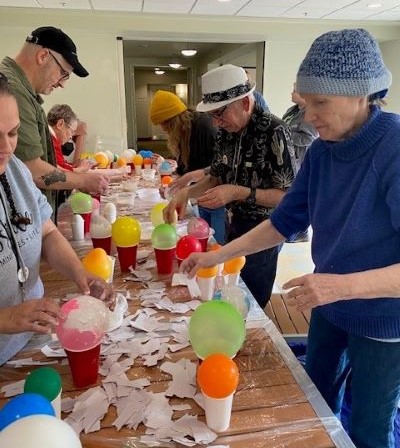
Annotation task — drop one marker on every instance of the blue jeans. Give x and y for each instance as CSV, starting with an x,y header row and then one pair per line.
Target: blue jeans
x,y
216,219
259,272
375,379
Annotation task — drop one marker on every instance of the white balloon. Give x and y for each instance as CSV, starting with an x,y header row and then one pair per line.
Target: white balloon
x,y
44,431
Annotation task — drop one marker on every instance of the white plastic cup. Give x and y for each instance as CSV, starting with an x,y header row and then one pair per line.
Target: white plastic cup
x,y
218,412
112,265
138,170
207,287
78,228
56,403
232,279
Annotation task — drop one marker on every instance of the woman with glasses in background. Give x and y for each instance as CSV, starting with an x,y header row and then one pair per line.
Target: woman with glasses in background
x,y
26,234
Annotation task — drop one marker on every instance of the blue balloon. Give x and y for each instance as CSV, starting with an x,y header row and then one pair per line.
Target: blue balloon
x,y
142,153
149,154
24,405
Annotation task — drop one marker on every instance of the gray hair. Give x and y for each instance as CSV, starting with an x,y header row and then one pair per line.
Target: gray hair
x,y
61,112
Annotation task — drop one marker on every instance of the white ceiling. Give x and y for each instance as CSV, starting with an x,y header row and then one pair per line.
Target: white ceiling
x,y
305,9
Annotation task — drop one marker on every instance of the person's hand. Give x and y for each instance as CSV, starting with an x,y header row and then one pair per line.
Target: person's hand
x,y
178,203
180,182
156,159
197,260
312,290
83,166
94,286
218,196
94,182
173,163
36,315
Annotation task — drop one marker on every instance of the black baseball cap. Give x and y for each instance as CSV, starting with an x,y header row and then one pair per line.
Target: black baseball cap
x,y
55,39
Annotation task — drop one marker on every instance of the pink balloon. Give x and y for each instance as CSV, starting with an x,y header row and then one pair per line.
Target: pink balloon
x,y
198,227
82,322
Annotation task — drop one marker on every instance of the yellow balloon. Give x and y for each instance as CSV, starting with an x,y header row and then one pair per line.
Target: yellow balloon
x,y
156,214
98,263
137,159
101,159
125,231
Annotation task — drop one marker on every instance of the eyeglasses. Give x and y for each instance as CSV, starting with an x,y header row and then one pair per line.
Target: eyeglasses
x,y
71,129
3,77
217,114
64,73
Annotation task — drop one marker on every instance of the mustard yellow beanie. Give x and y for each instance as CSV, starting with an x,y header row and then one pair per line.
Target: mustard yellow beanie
x,y
165,105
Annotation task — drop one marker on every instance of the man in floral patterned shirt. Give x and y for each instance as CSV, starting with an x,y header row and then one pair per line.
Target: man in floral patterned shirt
x,y
253,167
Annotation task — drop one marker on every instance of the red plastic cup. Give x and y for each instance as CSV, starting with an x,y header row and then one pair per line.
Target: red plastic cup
x,y
179,261
102,243
165,260
86,221
127,257
204,243
84,366
96,196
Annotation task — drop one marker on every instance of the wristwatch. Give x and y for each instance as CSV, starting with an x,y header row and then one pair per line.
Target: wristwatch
x,y
251,198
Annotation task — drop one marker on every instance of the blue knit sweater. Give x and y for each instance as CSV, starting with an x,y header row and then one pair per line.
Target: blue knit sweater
x,y
350,193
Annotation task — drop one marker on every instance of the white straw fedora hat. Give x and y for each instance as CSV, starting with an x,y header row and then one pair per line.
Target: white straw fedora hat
x,y
224,85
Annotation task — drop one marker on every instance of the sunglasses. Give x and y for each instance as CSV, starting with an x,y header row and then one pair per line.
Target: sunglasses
x,y
217,114
64,73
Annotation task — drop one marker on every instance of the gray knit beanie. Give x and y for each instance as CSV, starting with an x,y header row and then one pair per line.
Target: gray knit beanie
x,y
347,62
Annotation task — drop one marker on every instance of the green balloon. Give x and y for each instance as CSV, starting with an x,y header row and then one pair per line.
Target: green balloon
x,y
44,381
81,202
164,236
216,326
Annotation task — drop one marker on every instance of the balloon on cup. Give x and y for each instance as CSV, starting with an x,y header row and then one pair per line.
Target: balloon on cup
x,y
97,262
166,180
206,280
163,240
156,213
125,233
22,406
216,326
185,246
218,378
100,233
237,297
199,228
110,212
232,269
82,322
46,382
44,431
82,204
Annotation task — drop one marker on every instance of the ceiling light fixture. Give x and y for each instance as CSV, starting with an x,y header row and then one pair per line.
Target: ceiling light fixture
x,y
159,72
374,5
175,65
189,52
224,1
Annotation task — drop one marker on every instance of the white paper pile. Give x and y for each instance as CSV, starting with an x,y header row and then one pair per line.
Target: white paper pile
x,y
183,374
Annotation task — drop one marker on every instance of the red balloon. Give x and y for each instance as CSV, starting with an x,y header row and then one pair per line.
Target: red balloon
x,y
218,376
186,245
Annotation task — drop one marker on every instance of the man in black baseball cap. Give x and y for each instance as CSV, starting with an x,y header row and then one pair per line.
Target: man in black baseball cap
x,y
43,64
56,40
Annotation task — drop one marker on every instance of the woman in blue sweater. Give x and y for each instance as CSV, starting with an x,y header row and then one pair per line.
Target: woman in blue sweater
x,y
348,190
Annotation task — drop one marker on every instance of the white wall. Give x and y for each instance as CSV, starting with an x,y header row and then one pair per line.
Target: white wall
x,y
391,52
97,99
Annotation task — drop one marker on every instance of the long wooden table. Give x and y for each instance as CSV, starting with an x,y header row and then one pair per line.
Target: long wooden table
x,y
276,404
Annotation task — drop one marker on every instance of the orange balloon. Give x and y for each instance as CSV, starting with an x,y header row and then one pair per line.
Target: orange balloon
x,y
214,246
166,180
137,159
218,376
97,262
101,160
146,161
207,272
234,265
121,162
